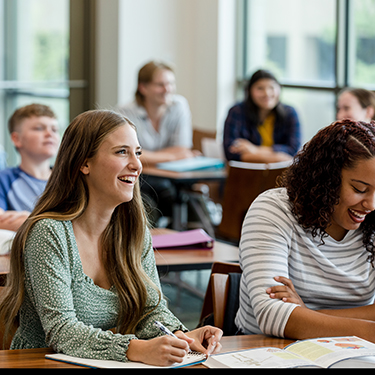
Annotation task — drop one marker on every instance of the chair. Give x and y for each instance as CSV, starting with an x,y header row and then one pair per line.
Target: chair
x,y
244,183
198,137
222,297
2,328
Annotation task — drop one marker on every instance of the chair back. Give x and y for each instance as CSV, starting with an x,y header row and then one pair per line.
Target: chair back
x,y
2,330
244,183
199,135
221,299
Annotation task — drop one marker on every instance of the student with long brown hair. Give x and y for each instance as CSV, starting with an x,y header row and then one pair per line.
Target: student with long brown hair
x,y
83,262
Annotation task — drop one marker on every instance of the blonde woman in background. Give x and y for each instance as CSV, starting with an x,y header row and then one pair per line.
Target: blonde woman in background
x,y
356,104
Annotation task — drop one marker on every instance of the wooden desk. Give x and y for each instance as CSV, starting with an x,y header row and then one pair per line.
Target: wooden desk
x,y
170,260
185,260
34,358
183,182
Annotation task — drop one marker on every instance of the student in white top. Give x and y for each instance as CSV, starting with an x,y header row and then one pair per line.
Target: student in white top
x,y
165,133
307,249
162,117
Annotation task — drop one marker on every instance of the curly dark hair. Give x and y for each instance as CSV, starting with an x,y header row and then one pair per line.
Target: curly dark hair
x,y
313,181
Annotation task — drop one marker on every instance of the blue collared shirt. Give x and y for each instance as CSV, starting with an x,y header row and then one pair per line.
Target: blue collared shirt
x,y
18,190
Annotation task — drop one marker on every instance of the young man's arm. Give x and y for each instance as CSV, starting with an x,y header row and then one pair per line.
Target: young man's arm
x,y
12,220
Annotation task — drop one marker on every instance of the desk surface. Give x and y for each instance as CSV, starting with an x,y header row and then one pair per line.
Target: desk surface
x,y
172,259
184,260
34,358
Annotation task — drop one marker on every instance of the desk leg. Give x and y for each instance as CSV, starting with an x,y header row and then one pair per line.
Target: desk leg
x,y
180,213
203,217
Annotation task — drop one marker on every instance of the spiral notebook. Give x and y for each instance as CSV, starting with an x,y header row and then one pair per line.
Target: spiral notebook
x,y
190,359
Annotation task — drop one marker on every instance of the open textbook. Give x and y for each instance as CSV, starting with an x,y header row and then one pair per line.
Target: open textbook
x,y
321,352
190,359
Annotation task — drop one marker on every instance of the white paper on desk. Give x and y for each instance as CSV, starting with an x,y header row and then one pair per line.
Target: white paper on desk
x,y
190,359
6,240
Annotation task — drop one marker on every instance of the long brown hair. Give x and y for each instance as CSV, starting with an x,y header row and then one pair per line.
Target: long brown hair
x,y
65,198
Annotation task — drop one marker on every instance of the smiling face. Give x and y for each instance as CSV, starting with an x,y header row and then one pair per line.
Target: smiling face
x,y
160,90
357,198
348,106
114,170
265,93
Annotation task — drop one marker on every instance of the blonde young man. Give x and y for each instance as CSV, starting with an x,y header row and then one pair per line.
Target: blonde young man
x,y
34,133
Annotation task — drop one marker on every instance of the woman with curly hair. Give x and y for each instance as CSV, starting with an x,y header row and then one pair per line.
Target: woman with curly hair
x,y
313,235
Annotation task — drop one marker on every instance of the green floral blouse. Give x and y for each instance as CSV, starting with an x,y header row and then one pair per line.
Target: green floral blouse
x,y
64,309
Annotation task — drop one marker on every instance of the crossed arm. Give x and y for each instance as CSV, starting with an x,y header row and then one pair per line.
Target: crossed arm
x,y
306,323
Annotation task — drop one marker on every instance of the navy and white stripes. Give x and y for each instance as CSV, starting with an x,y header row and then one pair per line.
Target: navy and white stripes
x,y
332,275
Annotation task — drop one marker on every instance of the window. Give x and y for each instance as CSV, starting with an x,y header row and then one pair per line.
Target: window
x,y
40,62
362,48
35,40
314,48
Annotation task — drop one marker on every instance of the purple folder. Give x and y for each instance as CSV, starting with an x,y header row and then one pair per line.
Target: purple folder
x,y
189,239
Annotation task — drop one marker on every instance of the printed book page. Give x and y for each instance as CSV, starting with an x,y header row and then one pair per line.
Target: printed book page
x,y
345,352
257,358
326,351
190,359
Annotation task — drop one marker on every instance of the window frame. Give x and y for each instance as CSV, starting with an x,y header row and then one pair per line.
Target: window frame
x,y
343,50
78,89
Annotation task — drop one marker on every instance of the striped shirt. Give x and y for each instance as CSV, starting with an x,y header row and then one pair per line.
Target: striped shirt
x,y
332,275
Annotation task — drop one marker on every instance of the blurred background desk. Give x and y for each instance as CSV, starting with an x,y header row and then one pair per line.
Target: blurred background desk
x,y
184,290
199,259
183,181
34,358
171,259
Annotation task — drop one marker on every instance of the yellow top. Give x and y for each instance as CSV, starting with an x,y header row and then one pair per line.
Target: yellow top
x,y
266,130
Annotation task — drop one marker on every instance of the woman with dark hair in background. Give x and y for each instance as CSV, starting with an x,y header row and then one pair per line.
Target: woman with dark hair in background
x,y
261,129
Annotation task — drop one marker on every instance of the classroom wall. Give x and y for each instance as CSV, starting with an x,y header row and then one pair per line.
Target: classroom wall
x,y
197,36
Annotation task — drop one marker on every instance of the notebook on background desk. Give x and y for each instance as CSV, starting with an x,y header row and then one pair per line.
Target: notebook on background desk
x,y
192,164
188,239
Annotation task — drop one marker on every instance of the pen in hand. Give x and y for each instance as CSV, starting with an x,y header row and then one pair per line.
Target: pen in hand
x,y
166,331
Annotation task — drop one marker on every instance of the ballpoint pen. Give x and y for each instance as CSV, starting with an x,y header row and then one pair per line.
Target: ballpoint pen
x,y
165,330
